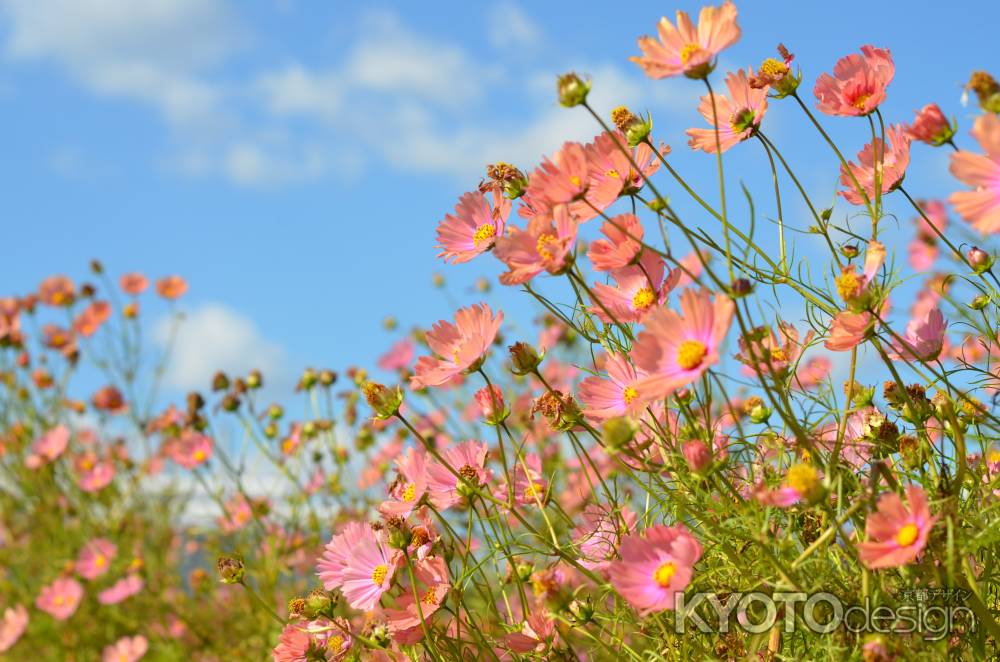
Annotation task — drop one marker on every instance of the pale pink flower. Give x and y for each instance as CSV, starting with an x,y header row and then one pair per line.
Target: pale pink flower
x,y
333,561
490,403
48,447
538,634
60,598
191,449
847,330
612,173
858,84
95,558
598,533
133,283
615,396
121,590
56,291
126,649
923,340
473,228
897,534
93,474
398,356
981,206
409,489
893,158
469,460
655,567
931,126
90,320
856,444
367,574
638,290
12,626
528,484
924,249
543,246
813,372
737,116
404,621
561,179
763,352
675,349
458,347
621,248
686,49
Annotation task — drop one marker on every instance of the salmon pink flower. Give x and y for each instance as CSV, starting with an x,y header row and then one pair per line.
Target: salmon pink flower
x,y
91,319
48,447
367,573
121,590
981,206
133,283
171,287
491,404
852,286
93,474
56,291
191,449
95,558
621,248
398,356
561,179
686,49
126,649
432,573
459,347
529,486
675,349
924,247
409,489
12,626
813,372
858,84
638,290
109,399
615,396
737,116
762,351
893,158
848,329
473,228
598,534
802,484
655,567
60,598
331,564
612,173
897,534
931,126
923,340
468,459
10,320
543,246
319,639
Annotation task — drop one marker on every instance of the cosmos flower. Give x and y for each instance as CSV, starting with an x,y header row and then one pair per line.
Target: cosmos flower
x,y
126,649
893,159
738,114
923,340
655,567
473,228
616,395
688,49
897,533
95,558
638,290
60,598
469,460
12,626
858,84
980,207
457,347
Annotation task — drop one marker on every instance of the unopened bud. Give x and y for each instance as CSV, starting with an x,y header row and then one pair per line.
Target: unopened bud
x,y
979,301
254,380
618,432
572,90
231,569
582,611
318,603
220,382
850,251
491,404
327,377
523,358
980,260
384,401
697,455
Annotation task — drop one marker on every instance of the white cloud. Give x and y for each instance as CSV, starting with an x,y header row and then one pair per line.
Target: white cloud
x,y
508,27
215,337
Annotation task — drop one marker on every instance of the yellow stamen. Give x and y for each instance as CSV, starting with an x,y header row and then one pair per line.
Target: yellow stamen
x,y
860,101
379,573
533,490
688,51
335,642
644,298
410,493
907,535
690,354
629,395
575,180
802,478
545,245
99,560
613,173
773,68
848,284
199,455
664,574
484,232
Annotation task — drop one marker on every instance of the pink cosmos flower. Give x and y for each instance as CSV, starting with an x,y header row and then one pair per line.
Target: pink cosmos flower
x,y
538,634
121,590
398,356
409,489
458,347
612,173
543,246
638,290
615,396
12,626
675,349
622,246
858,84
95,558
847,330
56,291
894,157
473,228
367,574
802,481
528,484
851,285
655,567
90,320
923,340
171,287
739,115
191,449
126,649
333,561
60,598
924,247
489,401
320,639
813,372
561,179
762,351
598,534
981,206
404,621
687,49
93,474
856,444
133,283
931,126
897,534
469,460
48,447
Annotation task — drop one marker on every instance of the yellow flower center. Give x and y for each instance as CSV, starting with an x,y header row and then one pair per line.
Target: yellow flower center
x,y
533,490
59,601
690,354
484,232
613,173
199,455
664,574
688,51
644,298
335,642
545,245
629,394
99,560
379,573
742,120
410,492
778,354
848,285
773,68
429,597
860,101
575,180
802,478
993,456
907,535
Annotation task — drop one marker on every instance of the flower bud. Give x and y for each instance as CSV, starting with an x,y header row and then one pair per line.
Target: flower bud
x,y
231,402
384,401
307,380
254,380
582,611
980,260
683,396
987,90
491,405
231,569
96,266
572,90
523,358
756,409
697,455
220,382
657,204
931,126
275,412
524,571
327,378
318,603
741,287
979,301
618,432
561,411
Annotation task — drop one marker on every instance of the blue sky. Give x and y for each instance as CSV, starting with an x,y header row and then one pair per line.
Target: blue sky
x,y
292,159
